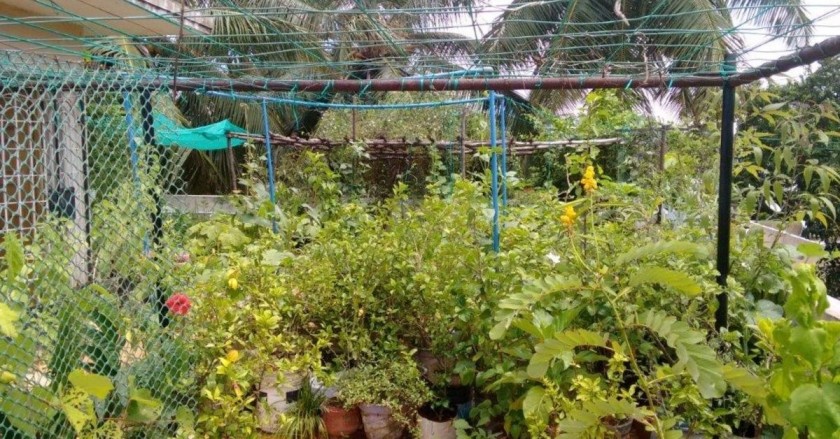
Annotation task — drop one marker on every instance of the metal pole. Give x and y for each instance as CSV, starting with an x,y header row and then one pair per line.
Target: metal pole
x,y
270,164
661,167
148,123
462,140
149,140
503,129
353,124
494,178
727,135
232,165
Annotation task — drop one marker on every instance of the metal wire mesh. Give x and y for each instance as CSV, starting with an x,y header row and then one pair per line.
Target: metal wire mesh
x,y
84,190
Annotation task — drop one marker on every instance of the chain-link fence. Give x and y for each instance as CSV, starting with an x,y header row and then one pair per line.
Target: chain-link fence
x,y
88,344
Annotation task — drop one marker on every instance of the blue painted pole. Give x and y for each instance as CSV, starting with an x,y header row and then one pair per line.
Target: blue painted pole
x,y
503,129
270,165
133,156
494,170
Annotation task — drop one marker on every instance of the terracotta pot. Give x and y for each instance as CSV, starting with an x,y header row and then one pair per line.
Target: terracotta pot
x,y
436,424
276,398
341,422
379,422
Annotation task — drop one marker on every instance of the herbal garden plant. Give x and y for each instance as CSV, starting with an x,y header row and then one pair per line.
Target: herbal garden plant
x,y
597,313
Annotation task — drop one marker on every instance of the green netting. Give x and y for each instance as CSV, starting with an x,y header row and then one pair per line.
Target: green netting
x,y
211,137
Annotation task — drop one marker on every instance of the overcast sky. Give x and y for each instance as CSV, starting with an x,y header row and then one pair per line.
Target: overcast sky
x,y
762,46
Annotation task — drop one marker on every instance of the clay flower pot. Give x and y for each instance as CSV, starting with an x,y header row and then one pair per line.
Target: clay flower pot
x,y
379,422
341,422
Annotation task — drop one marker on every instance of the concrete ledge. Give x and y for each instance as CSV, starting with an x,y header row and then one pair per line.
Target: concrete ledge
x,y
789,238
833,311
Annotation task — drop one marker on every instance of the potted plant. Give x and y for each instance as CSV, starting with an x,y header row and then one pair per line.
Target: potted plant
x,y
340,420
386,392
436,420
303,419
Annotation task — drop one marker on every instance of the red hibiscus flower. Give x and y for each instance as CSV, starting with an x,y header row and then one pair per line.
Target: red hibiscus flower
x,y
179,304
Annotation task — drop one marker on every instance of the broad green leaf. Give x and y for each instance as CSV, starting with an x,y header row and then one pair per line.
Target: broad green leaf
x,y
745,381
774,107
274,257
663,248
536,405
808,343
78,409
142,406
817,408
667,277
8,321
812,249
91,383
14,255
769,310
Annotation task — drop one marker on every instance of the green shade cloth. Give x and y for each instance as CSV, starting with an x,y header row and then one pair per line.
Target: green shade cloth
x,y
207,138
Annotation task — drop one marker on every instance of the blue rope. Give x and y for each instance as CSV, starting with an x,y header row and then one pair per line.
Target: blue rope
x,y
271,190
346,106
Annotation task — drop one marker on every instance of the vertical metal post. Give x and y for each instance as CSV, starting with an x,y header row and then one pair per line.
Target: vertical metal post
x,y
149,139
494,169
158,298
462,140
661,168
132,144
727,136
270,163
503,129
133,155
232,165
353,123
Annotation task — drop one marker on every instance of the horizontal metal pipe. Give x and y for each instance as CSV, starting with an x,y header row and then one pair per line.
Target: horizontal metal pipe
x,y
828,48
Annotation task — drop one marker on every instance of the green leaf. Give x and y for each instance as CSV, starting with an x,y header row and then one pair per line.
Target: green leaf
x,y
808,344
274,258
693,354
78,409
91,383
663,248
143,407
812,250
664,276
14,256
537,405
561,347
816,408
512,306
8,321
745,381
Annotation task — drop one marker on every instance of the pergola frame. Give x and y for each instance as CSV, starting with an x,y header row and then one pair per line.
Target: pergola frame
x,y
728,79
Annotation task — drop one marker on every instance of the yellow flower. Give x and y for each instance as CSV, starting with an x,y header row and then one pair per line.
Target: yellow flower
x,y
233,283
569,216
233,356
588,181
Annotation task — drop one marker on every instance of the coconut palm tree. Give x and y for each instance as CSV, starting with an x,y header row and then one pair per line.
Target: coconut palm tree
x,y
293,39
632,37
